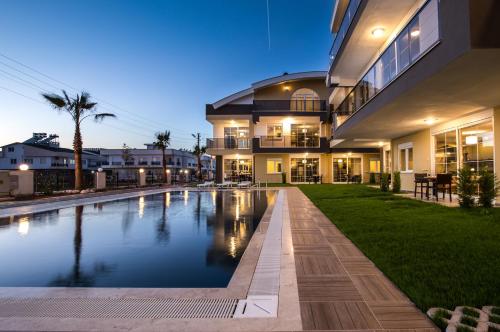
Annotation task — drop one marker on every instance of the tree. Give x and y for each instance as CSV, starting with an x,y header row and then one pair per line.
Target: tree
x,y
198,151
79,108
126,155
162,143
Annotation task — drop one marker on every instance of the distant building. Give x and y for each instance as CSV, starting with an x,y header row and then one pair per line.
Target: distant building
x,y
42,152
126,162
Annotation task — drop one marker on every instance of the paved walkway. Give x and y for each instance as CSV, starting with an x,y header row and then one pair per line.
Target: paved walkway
x,y
339,288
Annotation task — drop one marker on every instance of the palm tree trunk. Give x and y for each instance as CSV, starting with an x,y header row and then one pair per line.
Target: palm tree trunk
x,y
164,163
77,147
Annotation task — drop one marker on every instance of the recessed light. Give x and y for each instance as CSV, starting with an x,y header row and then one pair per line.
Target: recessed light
x,y
378,32
430,121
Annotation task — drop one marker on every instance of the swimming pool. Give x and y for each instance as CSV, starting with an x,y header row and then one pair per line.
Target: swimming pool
x,y
178,239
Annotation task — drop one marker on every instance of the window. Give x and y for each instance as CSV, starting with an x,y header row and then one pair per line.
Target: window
x,y
445,152
477,146
406,157
43,160
274,131
374,166
28,161
304,100
274,165
10,149
13,161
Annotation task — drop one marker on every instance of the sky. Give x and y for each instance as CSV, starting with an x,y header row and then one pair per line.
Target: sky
x,y
155,64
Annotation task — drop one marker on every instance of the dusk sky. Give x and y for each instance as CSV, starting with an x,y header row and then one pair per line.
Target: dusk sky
x,y
155,64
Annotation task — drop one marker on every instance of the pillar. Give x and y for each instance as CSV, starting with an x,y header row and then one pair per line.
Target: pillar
x,y
219,171
100,180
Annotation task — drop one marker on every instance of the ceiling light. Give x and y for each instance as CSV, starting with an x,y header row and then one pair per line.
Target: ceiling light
x,y
381,144
415,33
430,121
378,32
24,167
470,140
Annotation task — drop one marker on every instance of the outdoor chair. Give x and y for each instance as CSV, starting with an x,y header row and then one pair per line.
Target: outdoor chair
x,y
244,184
206,184
443,181
420,181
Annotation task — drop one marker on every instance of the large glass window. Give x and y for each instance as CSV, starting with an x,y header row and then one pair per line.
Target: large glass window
x,y
346,169
403,48
238,170
304,135
304,100
236,138
477,146
406,157
304,169
445,152
274,131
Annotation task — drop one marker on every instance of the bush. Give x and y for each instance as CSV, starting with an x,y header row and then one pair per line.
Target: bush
x,y
283,177
384,182
466,187
487,187
372,178
396,182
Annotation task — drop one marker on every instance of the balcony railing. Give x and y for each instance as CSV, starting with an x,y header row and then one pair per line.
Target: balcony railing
x,y
301,141
414,40
229,143
298,105
350,12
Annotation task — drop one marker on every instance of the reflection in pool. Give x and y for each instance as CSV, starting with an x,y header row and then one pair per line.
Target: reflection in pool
x,y
174,239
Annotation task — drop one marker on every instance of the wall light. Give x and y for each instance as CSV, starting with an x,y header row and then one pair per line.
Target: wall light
x,y
415,33
24,167
286,88
168,171
141,170
380,144
378,32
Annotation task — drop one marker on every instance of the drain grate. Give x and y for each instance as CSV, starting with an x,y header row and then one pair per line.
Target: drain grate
x,y
117,308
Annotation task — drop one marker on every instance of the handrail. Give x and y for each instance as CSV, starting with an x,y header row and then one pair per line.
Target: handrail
x,y
229,143
349,14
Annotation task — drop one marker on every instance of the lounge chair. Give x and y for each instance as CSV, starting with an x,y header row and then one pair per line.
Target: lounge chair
x,y
224,184
206,184
244,184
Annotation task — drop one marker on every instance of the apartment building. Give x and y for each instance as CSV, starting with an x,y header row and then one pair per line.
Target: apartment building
x,y
278,130
420,79
42,152
126,162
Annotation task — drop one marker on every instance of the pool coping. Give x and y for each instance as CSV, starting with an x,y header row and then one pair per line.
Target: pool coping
x,y
285,311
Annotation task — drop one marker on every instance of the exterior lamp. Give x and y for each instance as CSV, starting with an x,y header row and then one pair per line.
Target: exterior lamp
x,y
24,167
168,171
99,169
141,170
415,33
304,161
378,32
242,161
186,171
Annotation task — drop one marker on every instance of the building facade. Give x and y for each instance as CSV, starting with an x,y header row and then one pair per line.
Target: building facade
x,y
421,79
278,130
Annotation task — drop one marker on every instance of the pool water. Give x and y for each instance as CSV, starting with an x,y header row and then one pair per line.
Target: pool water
x,y
174,239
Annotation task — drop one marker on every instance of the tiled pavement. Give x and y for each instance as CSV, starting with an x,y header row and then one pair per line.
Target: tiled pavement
x,y
339,288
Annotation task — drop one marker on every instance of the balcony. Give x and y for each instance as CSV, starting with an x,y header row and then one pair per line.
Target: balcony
x,y
142,163
229,143
290,144
350,12
415,40
155,163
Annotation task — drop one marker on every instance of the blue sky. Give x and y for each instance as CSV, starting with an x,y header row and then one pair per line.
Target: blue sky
x,y
153,63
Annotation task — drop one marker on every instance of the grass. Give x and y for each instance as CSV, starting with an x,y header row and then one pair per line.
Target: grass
x,y
468,321
464,329
494,319
439,256
470,312
438,319
278,184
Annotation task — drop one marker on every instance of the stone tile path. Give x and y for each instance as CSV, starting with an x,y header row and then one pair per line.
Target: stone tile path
x,y
340,288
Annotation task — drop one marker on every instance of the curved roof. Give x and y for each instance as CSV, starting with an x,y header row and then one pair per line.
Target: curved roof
x,y
268,82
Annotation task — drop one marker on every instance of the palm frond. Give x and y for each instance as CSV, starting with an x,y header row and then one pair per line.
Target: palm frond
x,y
68,99
102,116
55,100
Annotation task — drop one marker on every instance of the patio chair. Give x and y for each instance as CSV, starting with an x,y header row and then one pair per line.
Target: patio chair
x,y
206,184
420,181
443,181
224,184
244,184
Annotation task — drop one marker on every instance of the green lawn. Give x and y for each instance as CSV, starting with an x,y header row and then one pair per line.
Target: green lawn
x,y
439,256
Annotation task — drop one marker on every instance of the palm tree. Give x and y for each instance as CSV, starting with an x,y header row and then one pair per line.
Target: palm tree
x,y
162,142
198,151
79,108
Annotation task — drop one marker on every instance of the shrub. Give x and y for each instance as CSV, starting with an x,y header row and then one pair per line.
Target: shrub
x,y
494,319
396,182
462,328
283,177
384,182
470,312
487,187
495,310
372,178
468,321
465,187
438,319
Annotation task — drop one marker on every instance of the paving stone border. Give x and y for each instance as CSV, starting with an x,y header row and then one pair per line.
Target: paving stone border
x,y
454,323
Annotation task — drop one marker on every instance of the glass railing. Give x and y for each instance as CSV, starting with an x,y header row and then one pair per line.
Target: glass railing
x,y
311,140
414,40
229,143
351,10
